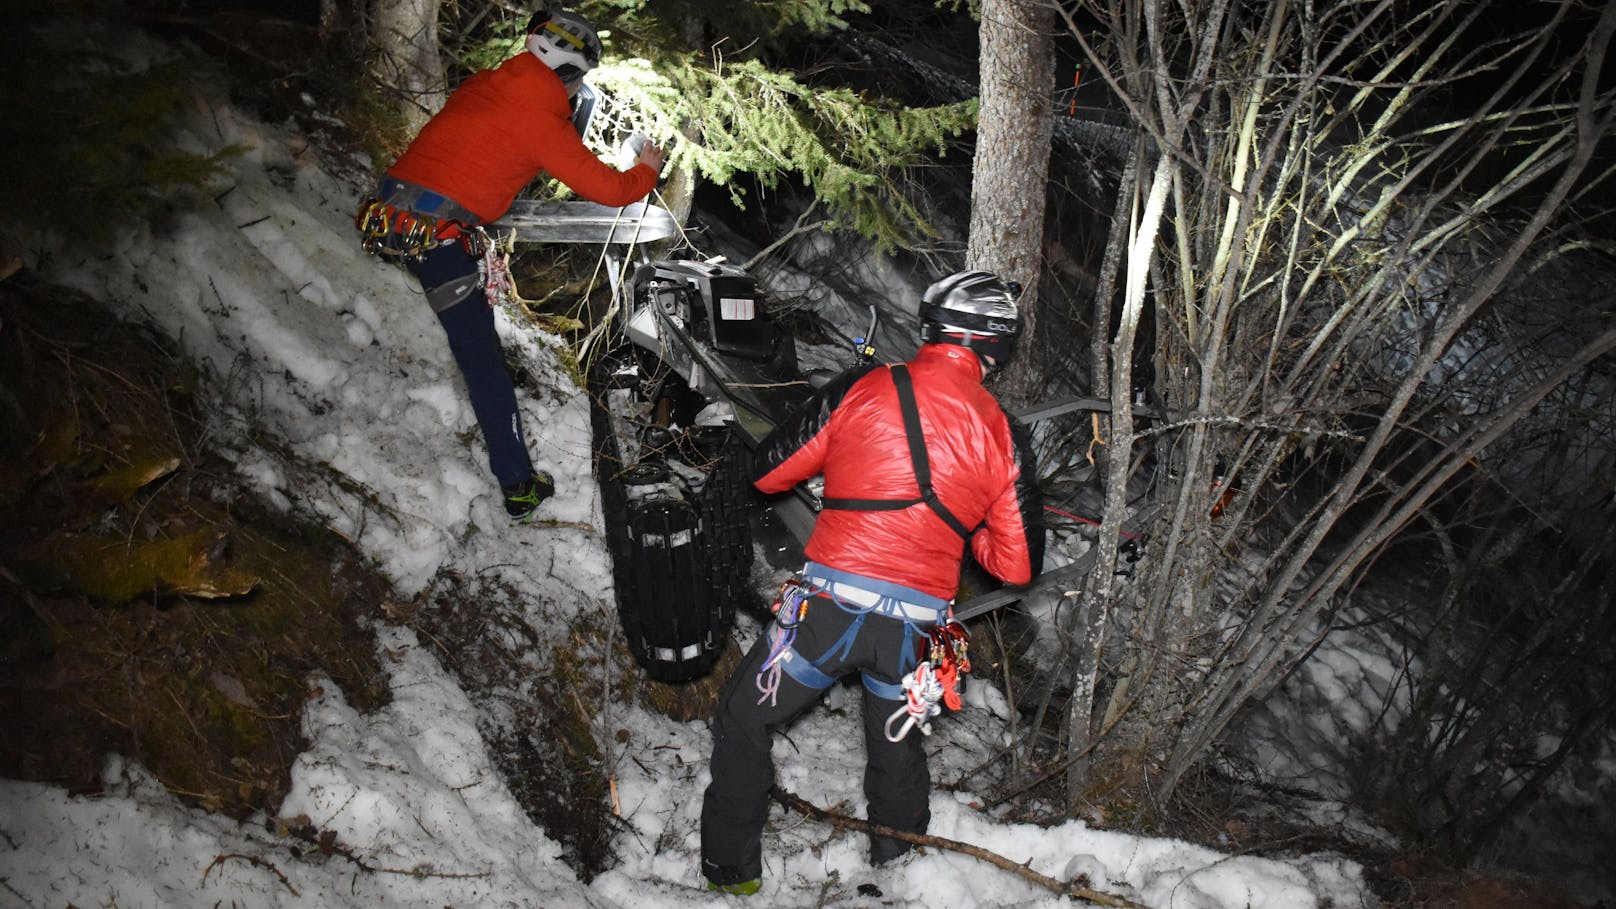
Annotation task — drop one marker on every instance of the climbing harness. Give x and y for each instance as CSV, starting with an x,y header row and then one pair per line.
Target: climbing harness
x,y
409,220
917,456
386,230
853,594
943,658
389,231
790,608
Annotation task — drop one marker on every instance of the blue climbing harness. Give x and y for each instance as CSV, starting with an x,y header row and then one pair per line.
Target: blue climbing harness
x,y
854,594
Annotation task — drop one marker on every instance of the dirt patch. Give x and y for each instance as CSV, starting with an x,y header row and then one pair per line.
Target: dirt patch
x,y
543,694
148,605
1415,882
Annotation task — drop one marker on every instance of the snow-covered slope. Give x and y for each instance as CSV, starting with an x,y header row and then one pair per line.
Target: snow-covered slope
x,y
332,359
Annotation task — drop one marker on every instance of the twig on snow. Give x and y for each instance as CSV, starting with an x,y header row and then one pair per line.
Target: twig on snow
x,y
800,804
253,859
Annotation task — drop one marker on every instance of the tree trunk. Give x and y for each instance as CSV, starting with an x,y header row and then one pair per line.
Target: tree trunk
x,y
1090,634
404,57
1011,166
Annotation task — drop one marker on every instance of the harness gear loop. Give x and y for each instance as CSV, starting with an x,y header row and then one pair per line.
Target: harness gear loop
x,y
374,223
921,692
415,231
372,216
944,656
790,607
387,230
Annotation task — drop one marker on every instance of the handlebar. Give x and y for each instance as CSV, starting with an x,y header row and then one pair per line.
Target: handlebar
x,y
864,348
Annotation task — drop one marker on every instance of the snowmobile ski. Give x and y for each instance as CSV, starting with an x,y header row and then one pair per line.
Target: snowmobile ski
x,y
585,222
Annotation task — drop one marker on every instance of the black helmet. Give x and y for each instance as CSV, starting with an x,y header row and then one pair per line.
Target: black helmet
x,y
566,42
974,309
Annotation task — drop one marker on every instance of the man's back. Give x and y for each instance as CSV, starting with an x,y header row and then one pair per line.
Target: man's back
x,y
979,469
498,131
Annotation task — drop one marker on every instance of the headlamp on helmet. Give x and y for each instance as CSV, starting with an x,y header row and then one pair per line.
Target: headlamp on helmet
x,y
974,309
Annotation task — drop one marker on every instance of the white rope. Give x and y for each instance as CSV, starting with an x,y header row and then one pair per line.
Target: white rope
x,y
921,692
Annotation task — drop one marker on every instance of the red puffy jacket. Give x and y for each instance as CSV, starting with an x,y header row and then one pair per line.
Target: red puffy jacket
x,y
498,131
982,469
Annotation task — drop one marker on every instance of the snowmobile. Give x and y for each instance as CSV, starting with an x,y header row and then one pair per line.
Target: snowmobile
x,y
700,373
696,372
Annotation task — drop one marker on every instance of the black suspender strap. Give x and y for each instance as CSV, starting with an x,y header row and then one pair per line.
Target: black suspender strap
x,y
917,449
917,457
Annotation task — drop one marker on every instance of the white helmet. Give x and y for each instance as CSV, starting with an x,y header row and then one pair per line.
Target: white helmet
x,y
566,42
974,309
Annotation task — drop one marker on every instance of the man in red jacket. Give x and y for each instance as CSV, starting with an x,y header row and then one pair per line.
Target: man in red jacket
x,y
498,131
918,460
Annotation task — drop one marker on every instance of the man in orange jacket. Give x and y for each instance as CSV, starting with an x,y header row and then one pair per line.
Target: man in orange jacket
x,y
920,463
498,131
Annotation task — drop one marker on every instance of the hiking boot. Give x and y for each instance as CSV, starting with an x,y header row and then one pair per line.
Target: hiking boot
x,y
523,499
885,850
744,888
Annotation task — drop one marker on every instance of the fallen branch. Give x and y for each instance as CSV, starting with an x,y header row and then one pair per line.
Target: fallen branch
x,y
219,860
1074,889
326,842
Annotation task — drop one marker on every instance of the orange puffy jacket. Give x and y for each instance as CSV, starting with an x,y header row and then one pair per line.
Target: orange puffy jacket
x,y
499,130
982,469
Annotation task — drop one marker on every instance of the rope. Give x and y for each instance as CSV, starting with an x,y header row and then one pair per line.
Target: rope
x,y
790,608
944,656
498,284
921,692
1089,521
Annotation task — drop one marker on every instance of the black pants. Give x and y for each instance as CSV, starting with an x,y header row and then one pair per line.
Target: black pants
x,y
896,780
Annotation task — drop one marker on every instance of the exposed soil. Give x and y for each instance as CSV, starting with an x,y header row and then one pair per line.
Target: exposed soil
x,y
148,606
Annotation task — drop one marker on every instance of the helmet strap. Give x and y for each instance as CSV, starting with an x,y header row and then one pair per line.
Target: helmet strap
x,y
982,360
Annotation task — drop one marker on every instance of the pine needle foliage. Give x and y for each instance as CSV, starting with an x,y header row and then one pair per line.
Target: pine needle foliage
x,y
472,51
694,75
744,119
87,145
742,24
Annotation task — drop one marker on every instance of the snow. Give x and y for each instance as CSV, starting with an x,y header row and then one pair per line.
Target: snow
x,y
332,357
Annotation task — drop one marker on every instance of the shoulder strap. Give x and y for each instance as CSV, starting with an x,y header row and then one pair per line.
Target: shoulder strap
x,y
917,449
917,457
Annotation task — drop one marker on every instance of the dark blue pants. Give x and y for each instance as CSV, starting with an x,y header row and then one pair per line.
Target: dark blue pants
x,y
469,325
897,782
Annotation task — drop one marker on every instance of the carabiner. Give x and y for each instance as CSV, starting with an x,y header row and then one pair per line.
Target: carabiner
x,y
376,219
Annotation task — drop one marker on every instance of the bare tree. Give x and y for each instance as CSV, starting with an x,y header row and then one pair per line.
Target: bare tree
x,y
1335,204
